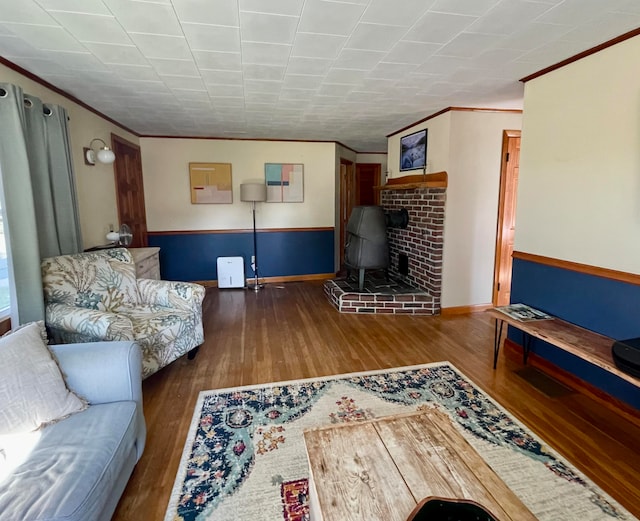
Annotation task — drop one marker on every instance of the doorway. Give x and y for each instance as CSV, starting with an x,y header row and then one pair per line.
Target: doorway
x,y
506,217
130,189
347,200
367,177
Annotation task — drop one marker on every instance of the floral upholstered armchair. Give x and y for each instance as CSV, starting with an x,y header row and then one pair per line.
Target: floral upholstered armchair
x,y
96,296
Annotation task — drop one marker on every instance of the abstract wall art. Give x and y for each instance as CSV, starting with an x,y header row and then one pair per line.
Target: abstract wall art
x,y
285,182
210,183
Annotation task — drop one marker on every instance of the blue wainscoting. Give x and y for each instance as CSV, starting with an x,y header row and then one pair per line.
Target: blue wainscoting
x,y
609,307
193,256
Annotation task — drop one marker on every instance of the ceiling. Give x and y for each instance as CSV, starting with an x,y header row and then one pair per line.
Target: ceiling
x,y
351,71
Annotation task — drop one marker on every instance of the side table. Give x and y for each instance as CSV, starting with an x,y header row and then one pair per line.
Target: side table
x,y
147,262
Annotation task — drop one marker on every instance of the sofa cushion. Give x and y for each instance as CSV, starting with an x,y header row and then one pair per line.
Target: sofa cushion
x,y
104,280
32,388
74,467
157,325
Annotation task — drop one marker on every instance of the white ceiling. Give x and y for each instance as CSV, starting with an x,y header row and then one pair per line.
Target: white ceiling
x,y
349,70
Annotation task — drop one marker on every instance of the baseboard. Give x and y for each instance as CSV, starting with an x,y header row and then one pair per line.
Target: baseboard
x,y
275,280
463,310
512,349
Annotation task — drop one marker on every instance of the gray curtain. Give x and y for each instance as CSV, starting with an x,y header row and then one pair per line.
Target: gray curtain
x,y
40,206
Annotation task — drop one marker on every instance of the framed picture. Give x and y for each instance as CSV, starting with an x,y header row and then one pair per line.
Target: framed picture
x,y
285,182
210,183
413,151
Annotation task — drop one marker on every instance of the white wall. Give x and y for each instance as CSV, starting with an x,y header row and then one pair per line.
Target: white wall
x,y
472,205
467,145
579,187
165,165
95,184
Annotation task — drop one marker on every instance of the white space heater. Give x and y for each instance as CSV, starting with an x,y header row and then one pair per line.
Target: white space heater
x,y
231,272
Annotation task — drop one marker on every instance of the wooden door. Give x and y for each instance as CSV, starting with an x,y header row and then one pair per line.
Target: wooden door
x,y
347,200
506,217
129,189
367,176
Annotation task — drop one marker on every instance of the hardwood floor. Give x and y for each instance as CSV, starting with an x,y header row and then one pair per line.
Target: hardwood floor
x,y
290,331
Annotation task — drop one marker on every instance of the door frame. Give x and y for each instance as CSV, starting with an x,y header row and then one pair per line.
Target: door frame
x,y
347,196
117,141
505,181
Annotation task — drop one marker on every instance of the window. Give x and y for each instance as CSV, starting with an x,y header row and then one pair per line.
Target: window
x,y
4,271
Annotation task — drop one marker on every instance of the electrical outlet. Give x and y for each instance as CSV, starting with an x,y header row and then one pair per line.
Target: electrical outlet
x,y
253,259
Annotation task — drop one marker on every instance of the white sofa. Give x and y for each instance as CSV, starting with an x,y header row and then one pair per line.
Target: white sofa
x,y
76,469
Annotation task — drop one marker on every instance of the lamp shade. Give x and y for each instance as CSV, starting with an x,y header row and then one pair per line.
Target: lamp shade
x,y
106,155
253,192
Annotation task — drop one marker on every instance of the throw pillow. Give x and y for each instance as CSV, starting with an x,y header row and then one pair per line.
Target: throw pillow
x,y
32,390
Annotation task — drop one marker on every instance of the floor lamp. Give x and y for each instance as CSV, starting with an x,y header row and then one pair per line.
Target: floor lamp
x,y
254,193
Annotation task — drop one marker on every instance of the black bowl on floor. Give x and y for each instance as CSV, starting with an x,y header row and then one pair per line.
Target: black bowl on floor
x,y
442,509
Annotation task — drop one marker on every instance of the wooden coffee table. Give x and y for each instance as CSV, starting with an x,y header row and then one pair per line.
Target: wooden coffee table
x,y
380,470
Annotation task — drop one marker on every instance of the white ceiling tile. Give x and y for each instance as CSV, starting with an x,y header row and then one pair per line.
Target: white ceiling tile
x,y
288,88
358,59
192,96
534,35
75,6
257,27
265,53
262,97
81,61
506,17
391,70
213,12
310,45
225,90
344,76
470,7
174,67
92,28
117,54
628,6
439,27
13,46
320,16
212,37
25,11
297,94
468,45
335,90
47,38
608,26
558,51
159,46
375,37
145,17
218,60
302,81
262,86
183,82
303,65
399,12
411,52
263,72
221,77
572,12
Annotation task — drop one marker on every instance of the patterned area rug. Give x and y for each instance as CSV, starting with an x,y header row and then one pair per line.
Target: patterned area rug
x,y
245,458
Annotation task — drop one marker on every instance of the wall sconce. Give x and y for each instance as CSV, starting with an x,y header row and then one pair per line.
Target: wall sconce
x,y
104,154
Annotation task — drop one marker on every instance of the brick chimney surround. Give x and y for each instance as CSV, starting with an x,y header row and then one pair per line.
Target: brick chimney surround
x,y
422,241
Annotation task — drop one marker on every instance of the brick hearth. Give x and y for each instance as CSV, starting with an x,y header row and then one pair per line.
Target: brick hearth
x,y
346,300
